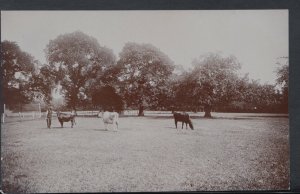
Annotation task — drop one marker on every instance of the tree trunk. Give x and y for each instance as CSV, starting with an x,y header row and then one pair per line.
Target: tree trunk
x,y
207,110
73,106
141,111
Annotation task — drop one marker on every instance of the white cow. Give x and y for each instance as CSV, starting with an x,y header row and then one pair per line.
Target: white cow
x,y
110,118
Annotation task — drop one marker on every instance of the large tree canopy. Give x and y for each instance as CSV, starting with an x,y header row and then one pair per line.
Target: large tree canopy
x,y
107,99
43,83
262,97
17,69
283,82
143,73
78,60
213,81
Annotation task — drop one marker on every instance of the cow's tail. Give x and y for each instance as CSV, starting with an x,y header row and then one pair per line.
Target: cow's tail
x,y
190,123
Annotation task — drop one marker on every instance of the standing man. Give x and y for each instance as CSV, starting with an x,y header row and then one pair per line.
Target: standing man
x,y
49,117
74,113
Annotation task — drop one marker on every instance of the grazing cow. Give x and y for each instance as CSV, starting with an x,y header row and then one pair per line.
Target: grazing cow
x,y
110,118
184,118
66,117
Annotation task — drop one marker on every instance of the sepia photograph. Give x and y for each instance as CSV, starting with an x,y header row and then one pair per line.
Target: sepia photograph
x,y
145,101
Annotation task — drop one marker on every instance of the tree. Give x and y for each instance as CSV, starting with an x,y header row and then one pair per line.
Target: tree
x,y
143,74
43,83
77,60
109,76
213,81
17,69
183,87
107,98
283,82
261,97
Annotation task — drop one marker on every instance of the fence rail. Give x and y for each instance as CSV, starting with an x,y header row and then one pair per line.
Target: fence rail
x,y
134,113
13,117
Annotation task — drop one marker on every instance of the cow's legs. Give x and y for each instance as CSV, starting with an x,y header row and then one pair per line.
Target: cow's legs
x,y
182,125
61,124
186,125
116,126
72,122
175,123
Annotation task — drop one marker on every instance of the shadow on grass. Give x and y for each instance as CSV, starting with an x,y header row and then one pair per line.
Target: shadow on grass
x,y
250,117
171,117
65,127
104,130
170,127
12,183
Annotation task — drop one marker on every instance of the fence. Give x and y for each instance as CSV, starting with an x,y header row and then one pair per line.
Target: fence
x,y
132,113
125,113
28,112
9,116
36,113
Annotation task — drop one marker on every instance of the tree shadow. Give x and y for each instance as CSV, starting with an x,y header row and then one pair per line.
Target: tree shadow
x,y
104,130
170,127
58,128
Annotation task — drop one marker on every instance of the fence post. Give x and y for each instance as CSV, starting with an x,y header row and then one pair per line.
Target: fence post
x,y
3,114
40,111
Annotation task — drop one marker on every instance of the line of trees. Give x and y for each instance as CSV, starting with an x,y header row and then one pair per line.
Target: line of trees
x,y
142,78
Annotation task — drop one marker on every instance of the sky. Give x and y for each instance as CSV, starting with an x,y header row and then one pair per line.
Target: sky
x,y
257,38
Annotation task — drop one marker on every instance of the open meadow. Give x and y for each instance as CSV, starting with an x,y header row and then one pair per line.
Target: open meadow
x,y
228,152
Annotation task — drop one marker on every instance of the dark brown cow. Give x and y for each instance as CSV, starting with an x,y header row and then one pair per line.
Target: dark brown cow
x,y
184,118
66,117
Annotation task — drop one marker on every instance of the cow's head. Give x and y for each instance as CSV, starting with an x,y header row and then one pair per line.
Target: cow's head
x,y
73,112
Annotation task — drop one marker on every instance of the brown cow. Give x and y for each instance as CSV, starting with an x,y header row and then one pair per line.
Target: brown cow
x,y
184,118
66,117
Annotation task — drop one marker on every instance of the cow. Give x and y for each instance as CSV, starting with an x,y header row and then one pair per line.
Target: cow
x,y
110,118
184,118
66,117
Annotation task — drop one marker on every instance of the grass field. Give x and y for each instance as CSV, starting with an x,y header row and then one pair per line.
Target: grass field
x,y
146,154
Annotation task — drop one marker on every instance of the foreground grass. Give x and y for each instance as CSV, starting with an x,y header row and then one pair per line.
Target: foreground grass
x,y
146,154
